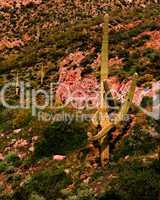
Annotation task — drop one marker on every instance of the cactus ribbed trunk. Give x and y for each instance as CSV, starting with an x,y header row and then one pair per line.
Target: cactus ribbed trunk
x,y
104,62
104,118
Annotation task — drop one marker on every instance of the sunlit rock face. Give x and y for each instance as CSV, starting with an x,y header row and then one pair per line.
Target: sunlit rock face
x,y
74,89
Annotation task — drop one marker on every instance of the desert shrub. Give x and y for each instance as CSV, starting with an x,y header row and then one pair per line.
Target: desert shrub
x,y
157,127
127,34
110,196
12,159
146,101
12,119
137,142
82,192
140,184
8,165
141,41
156,166
3,166
152,54
153,123
14,180
6,197
131,63
150,121
28,161
5,119
35,196
1,188
10,170
21,118
46,183
61,138
2,17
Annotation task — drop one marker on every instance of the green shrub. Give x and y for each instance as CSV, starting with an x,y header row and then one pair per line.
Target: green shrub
x,y
82,192
46,183
150,121
152,54
137,142
1,188
158,126
35,196
134,180
6,197
61,138
5,119
146,101
13,159
110,196
154,123
141,41
21,118
140,184
156,166
10,170
3,166
14,119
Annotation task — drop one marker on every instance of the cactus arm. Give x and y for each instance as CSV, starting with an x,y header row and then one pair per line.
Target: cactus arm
x,y
95,119
129,97
102,132
123,111
110,100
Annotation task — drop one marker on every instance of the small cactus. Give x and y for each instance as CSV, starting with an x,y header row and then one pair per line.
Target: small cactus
x,y
17,84
42,74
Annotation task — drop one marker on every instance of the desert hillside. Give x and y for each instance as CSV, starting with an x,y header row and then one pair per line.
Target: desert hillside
x,y
51,59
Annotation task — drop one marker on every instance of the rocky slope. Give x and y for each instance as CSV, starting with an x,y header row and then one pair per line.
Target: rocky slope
x,y
42,160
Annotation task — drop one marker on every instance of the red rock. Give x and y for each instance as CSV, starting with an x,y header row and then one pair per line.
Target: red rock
x,y
1,156
59,157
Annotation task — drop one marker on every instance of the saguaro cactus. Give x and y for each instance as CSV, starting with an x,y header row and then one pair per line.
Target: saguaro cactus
x,y
42,74
17,83
101,117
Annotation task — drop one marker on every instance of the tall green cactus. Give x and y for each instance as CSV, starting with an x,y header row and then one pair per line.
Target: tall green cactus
x,y
104,117
42,73
104,72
